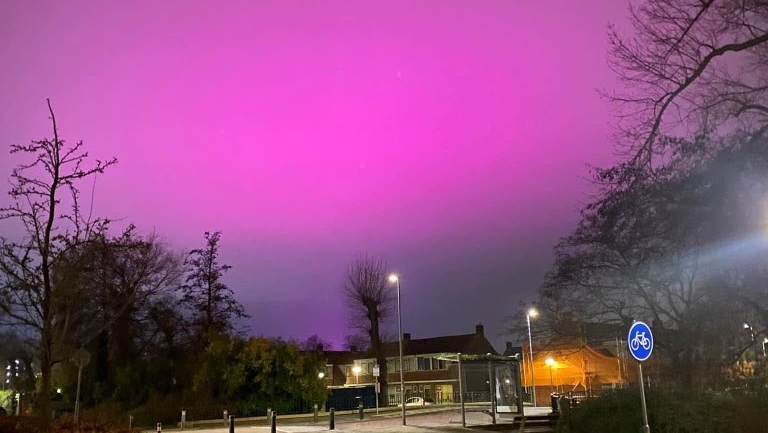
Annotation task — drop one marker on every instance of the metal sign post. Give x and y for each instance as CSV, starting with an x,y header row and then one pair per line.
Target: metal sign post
x,y
640,343
81,358
376,373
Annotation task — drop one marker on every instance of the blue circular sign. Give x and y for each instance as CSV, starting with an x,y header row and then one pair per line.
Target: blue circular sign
x,y
640,341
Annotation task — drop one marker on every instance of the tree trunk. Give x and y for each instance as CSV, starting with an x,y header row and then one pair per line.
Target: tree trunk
x,y
377,347
46,362
384,383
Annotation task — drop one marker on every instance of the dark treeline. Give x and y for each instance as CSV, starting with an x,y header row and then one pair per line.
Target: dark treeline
x,y
160,326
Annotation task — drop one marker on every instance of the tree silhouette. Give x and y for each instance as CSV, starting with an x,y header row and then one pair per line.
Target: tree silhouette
x,y
29,297
689,65
212,302
370,300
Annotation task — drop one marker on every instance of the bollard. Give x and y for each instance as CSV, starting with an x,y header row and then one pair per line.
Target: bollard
x,y
231,424
332,418
315,413
183,419
274,422
225,418
130,422
553,399
269,416
360,409
159,427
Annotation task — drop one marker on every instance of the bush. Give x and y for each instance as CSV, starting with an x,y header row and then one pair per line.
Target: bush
x,y
105,413
159,408
28,424
668,412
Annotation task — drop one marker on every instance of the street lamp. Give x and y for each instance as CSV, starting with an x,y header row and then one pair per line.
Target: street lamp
x,y
356,370
393,278
550,362
320,375
753,336
531,313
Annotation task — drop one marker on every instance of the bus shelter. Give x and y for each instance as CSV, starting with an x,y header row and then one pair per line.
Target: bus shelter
x,y
490,384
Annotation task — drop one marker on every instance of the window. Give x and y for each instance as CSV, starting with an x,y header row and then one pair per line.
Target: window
x,y
408,364
424,364
393,366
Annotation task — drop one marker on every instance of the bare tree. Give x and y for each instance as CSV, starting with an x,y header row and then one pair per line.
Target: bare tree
x,y
682,249
357,342
689,65
370,300
212,301
314,343
28,295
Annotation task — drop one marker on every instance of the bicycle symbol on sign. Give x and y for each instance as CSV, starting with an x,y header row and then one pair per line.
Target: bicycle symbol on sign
x,y
640,340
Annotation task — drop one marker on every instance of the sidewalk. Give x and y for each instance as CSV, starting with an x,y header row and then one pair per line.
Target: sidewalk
x,y
448,421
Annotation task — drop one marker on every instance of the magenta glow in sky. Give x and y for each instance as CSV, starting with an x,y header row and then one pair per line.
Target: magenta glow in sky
x,y
451,137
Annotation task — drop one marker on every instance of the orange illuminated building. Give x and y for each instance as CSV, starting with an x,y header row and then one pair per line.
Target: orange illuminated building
x,y
574,367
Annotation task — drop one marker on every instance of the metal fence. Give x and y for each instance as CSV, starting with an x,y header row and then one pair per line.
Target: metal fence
x,y
473,397
575,398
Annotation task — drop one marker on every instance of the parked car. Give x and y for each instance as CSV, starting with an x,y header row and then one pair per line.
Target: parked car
x,y
418,401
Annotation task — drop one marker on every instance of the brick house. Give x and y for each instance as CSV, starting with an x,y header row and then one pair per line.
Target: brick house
x,y
337,363
591,359
425,370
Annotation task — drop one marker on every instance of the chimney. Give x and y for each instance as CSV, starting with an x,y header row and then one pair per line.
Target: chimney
x,y
479,329
508,351
406,336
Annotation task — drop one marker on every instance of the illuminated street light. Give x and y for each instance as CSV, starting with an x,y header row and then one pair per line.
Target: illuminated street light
x,y
753,336
531,313
394,278
356,370
551,362
320,375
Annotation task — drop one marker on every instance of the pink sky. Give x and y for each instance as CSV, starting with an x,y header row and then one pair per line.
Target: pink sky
x,y
450,136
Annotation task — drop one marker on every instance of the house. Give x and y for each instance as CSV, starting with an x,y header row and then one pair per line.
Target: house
x,y
577,368
427,367
337,363
592,358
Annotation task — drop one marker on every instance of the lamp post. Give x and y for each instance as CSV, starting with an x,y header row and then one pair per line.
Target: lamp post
x,y
531,313
395,279
356,370
550,362
748,327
